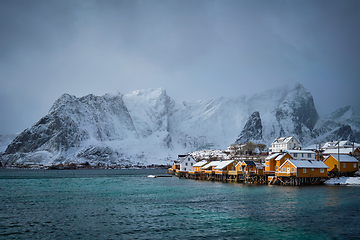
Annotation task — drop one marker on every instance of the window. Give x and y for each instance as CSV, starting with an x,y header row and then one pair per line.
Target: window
x,y
276,168
321,170
185,164
302,155
304,170
312,169
191,164
295,154
355,165
292,170
309,155
188,159
344,165
283,169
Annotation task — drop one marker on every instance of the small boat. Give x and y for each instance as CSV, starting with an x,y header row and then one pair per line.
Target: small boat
x,y
151,176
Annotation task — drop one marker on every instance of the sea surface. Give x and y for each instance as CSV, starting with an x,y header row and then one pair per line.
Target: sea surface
x,y
126,204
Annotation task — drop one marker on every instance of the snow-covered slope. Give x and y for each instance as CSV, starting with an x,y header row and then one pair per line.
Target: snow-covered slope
x,y
342,124
5,140
146,126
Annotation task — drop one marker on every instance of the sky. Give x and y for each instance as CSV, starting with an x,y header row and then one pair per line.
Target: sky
x,y
194,49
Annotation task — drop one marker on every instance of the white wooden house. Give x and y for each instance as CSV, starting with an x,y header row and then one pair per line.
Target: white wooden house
x,y
284,143
186,162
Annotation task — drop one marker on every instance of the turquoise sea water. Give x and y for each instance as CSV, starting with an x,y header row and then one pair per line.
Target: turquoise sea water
x,y
125,204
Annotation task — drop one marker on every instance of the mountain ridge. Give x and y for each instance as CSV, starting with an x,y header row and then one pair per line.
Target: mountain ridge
x,y
147,126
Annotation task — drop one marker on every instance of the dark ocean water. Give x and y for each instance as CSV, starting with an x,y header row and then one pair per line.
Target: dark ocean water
x,y
125,204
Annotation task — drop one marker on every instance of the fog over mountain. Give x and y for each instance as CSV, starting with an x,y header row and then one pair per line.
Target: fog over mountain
x,y
147,126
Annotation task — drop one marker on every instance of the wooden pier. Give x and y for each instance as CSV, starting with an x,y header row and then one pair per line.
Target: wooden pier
x,y
233,176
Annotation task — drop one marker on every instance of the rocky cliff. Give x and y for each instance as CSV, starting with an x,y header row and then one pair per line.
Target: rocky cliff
x,y
146,126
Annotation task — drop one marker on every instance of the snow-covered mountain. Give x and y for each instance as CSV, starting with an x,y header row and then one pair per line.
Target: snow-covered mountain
x,y
343,124
146,126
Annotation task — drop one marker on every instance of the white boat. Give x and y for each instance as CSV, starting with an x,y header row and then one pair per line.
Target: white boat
x,y
151,176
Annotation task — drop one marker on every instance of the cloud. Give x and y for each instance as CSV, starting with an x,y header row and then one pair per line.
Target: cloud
x,y
193,49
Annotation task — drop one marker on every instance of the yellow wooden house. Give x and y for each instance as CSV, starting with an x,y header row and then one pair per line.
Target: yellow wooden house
x,y
302,169
260,168
279,160
175,166
225,166
274,161
248,167
209,167
197,167
270,163
348,164
356,153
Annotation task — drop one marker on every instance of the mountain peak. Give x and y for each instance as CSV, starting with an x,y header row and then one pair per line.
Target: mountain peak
x,y
343,113
150,93
61,101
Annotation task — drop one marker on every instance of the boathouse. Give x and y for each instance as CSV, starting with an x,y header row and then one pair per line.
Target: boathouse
x,y
222,168
298,172
348,164
196,172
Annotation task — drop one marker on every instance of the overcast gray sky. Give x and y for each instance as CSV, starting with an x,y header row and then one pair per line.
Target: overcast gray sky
x,y
194,49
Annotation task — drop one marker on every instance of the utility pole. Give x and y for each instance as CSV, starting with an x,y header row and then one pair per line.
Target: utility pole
x,y
339,158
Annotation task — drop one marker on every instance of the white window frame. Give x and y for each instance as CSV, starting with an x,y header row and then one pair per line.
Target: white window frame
x,y
304,170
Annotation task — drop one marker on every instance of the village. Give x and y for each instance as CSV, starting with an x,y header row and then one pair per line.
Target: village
x,y
285,163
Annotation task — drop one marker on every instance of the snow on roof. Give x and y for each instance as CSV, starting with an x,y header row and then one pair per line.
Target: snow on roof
x,y
280,156
306,164
200,164
298,151
341,144
274,155
224,164
336,150
311,147
211,164
344,158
